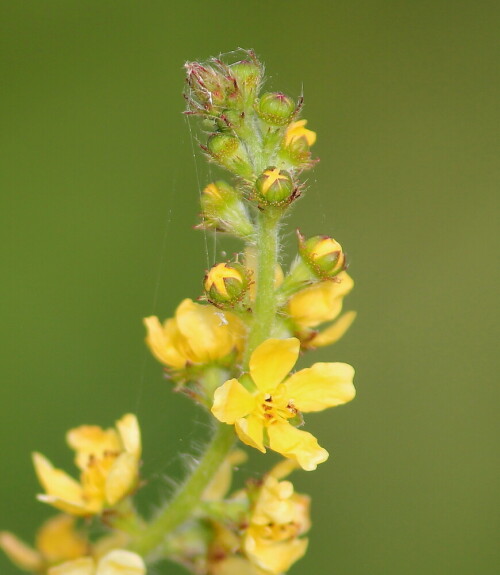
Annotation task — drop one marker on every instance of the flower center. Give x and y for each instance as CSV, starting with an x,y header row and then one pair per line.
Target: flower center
x,y
275,407
279,532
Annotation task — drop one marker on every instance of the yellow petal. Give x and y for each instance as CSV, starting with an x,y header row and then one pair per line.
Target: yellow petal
x,y
335,331
163,342
274,504
78,509
93,479
91,440
296,444
57,483
320,386
130,434
82,566
251,431
232,401
275,558
272,361
59,541
321,302
209,333
283,468
21,554
121,562
298,130
122,478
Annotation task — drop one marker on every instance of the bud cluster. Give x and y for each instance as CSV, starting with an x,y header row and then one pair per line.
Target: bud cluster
x,y
257,138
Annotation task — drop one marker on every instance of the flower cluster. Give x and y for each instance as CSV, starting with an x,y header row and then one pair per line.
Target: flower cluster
x,y
266,536
233,352
109,463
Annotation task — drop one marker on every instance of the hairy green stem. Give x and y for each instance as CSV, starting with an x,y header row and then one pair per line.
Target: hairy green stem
x,y
264,311
187,499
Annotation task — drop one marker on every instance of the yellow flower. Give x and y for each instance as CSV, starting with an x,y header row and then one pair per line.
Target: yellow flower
x,y
298,130
279,517
117,562
198,334
56,541
261,416
320,303
109,464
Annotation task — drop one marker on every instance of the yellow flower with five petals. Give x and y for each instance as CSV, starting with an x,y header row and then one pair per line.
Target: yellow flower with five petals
x,y
261,409
109,464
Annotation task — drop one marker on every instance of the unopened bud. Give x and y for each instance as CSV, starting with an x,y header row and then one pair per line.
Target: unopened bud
x,y
230,120
248,74
276,108
323,254
230,154
274,187
223,210
226,283
222,145
208,86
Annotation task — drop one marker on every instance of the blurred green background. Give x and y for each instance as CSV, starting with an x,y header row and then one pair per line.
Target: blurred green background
x,y
99,195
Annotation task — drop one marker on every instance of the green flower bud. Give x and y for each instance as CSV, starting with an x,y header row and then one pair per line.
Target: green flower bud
x,y
223,210
276,108
248,75
230,120
222,145
323,255
208,87
226,284
228,151
275,187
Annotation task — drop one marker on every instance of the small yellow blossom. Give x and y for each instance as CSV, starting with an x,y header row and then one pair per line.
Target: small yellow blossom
x,y
318,304
298,130
279,517
197,334
109,464
117,562
56,541
262,416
